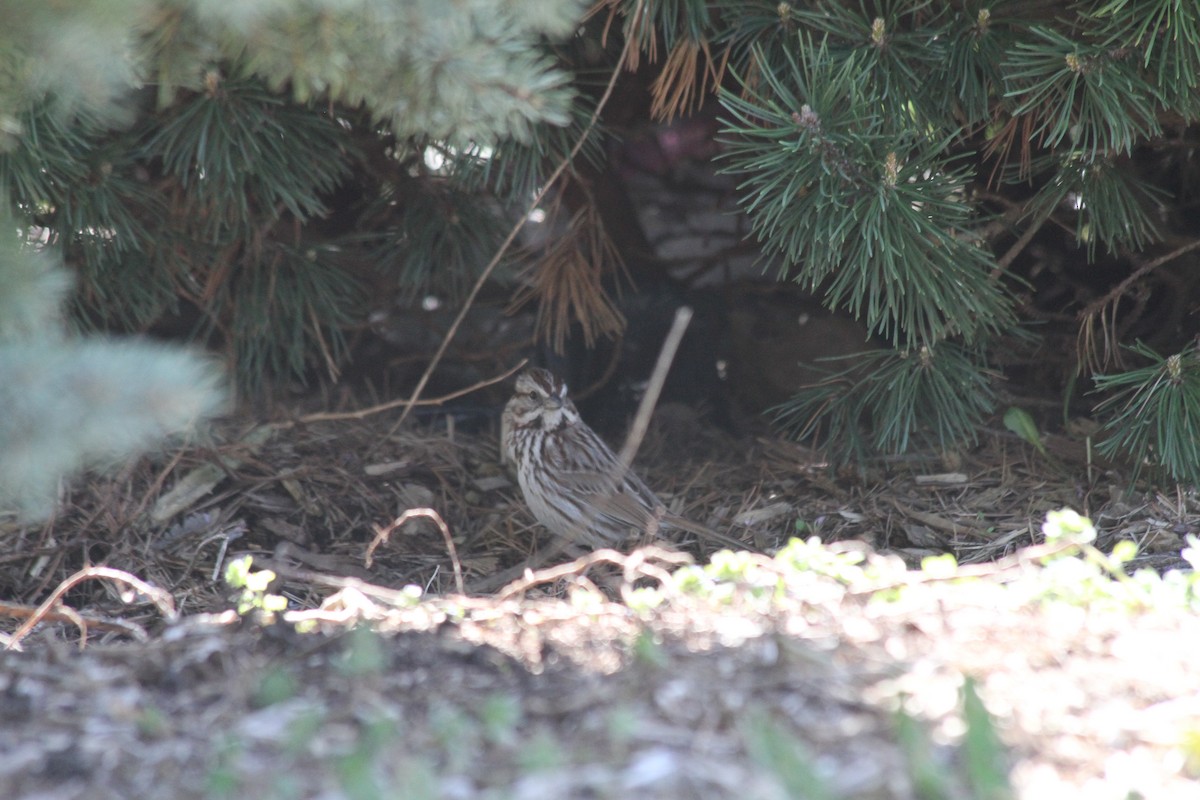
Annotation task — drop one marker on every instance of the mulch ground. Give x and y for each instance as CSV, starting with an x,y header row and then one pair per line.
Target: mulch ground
x,y
559,689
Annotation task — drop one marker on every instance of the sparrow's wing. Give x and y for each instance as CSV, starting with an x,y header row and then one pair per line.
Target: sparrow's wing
x,y
617,497
618,500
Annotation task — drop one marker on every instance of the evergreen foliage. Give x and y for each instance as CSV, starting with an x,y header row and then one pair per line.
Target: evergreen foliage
x,y
181,152
1153,413
259,161
864,150
194,175
69,402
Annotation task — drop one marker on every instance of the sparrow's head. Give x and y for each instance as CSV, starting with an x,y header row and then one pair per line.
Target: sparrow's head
x,y
540,401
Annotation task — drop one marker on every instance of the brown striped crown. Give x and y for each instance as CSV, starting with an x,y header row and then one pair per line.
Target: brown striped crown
x,y
540,400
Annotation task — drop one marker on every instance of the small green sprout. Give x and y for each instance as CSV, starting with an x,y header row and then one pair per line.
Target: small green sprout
x,y
253,586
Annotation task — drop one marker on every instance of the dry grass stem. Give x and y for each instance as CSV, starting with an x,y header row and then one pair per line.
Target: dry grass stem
x,y
382,534
434,401
163,600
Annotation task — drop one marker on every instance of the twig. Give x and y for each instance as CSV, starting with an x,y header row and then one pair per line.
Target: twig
x,y
22,611
1117,291
1105,308
164,601
1005,261
512,234
436,401
492,582
633,566
638,565
394,597
641,421
381,535
156,485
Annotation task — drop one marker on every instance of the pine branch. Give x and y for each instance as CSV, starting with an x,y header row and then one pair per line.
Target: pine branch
x,y
441,239
1092,96
900,252
1153,414
241,154
887,401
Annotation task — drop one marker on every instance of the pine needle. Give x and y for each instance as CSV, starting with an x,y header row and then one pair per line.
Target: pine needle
x,y
568,283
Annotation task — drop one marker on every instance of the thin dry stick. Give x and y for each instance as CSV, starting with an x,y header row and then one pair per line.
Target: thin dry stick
x,y
164,601
156,485
512,234
1121,288
1006,260
1105,306
641,421
436,401
381,535
633,566
390,596
639,565
492,582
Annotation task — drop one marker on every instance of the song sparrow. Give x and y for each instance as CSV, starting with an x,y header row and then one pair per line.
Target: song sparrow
x,y
573,483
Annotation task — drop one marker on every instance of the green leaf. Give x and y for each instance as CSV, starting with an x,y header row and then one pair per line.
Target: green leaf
x,y
260,580
1124,551
1021,423
237,572
985,756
